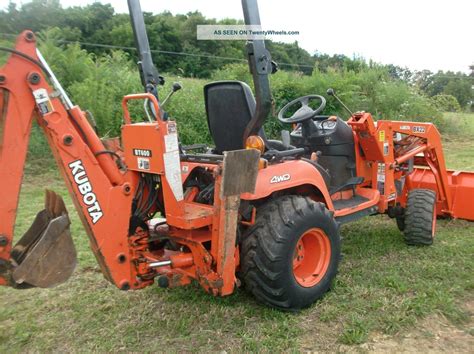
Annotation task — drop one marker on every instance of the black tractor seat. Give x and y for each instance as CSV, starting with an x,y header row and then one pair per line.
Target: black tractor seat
x,y
230,106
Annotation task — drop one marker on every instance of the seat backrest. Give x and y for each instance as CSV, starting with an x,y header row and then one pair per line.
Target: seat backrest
x,y
230,106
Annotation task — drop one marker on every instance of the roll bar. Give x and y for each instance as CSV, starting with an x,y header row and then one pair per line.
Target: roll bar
x,y
260,64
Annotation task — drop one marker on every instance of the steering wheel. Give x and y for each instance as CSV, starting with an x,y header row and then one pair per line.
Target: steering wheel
x,y
305,112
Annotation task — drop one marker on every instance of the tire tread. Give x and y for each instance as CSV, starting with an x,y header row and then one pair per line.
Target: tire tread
x,y
418,218
264,244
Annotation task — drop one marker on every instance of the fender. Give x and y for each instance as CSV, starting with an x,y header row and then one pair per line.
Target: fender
x,y
287,175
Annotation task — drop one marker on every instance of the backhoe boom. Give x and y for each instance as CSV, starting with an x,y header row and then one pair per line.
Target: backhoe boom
x,y
101,192
116,191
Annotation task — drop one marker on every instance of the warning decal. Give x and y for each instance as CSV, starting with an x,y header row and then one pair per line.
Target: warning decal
x,y
173,173
172,162
382,136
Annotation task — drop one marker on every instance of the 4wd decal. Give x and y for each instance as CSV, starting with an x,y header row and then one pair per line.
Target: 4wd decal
x,y
85,188
282,178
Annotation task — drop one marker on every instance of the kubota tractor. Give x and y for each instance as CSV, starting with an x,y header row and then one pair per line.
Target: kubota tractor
x,y
250,211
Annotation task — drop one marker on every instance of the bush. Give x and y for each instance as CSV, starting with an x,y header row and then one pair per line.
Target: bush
x,y
8,43
101,92
187,108
233,72
98,85
446,103
70,63
370,89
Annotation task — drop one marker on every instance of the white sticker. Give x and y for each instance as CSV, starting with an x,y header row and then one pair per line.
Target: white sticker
x,y
381,178
42,101
385,149
392,196
404,127
171,142
173,173
381,173
143,163
172,128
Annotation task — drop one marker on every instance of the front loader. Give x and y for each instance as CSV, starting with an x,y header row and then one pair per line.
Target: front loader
x,y
250,211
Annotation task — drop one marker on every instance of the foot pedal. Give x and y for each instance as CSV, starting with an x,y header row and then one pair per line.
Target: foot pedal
x,y
45,256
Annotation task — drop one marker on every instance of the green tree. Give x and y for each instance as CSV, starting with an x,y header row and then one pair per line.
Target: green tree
x,y
446,103
461,89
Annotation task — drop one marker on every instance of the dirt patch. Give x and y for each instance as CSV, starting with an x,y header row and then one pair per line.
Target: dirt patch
x,y
318,336
433,334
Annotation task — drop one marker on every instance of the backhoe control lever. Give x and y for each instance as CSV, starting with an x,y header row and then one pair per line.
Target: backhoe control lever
x,y
176,87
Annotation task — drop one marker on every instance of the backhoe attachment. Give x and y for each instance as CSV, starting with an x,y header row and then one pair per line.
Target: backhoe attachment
x,y
45,256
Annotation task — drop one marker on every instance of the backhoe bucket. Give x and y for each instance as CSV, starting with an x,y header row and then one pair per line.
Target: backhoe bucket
x,y
45,256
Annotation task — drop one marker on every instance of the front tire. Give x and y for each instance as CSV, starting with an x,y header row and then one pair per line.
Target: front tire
x,y
420,217
291,254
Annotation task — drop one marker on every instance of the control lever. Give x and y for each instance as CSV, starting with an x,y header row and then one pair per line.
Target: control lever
x,y
176,87
331,92
164,115
275,155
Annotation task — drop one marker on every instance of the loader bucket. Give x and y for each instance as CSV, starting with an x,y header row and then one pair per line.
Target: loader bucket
x,y
461,185
45,256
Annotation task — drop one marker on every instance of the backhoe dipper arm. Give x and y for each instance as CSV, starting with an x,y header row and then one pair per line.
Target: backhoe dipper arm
x,y
102,194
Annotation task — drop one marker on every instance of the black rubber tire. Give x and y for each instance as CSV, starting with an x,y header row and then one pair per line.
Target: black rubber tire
x,y
418,219
268,248
400,222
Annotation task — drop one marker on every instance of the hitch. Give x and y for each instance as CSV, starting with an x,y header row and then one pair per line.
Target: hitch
x,y
45,255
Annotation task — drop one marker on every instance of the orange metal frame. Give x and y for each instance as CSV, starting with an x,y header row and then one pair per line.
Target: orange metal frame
x,y
381,160
103,193
387,157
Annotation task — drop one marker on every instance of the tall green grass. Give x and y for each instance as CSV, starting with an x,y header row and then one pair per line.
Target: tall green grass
x,y
98,84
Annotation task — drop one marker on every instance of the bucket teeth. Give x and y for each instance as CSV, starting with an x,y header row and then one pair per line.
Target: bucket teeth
x,y
45,256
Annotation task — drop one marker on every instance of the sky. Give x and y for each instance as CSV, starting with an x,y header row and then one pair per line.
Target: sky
x,y
418,34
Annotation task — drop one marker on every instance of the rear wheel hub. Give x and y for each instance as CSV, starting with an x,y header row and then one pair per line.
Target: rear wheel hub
x,y
311,257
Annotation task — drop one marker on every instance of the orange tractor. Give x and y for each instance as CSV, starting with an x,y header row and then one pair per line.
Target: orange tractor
x,y
249,211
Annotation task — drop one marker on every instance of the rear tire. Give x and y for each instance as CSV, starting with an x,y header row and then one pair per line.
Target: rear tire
x,y
291,254
420,217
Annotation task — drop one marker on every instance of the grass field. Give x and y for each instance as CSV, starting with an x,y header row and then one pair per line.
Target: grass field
x,y
383,288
